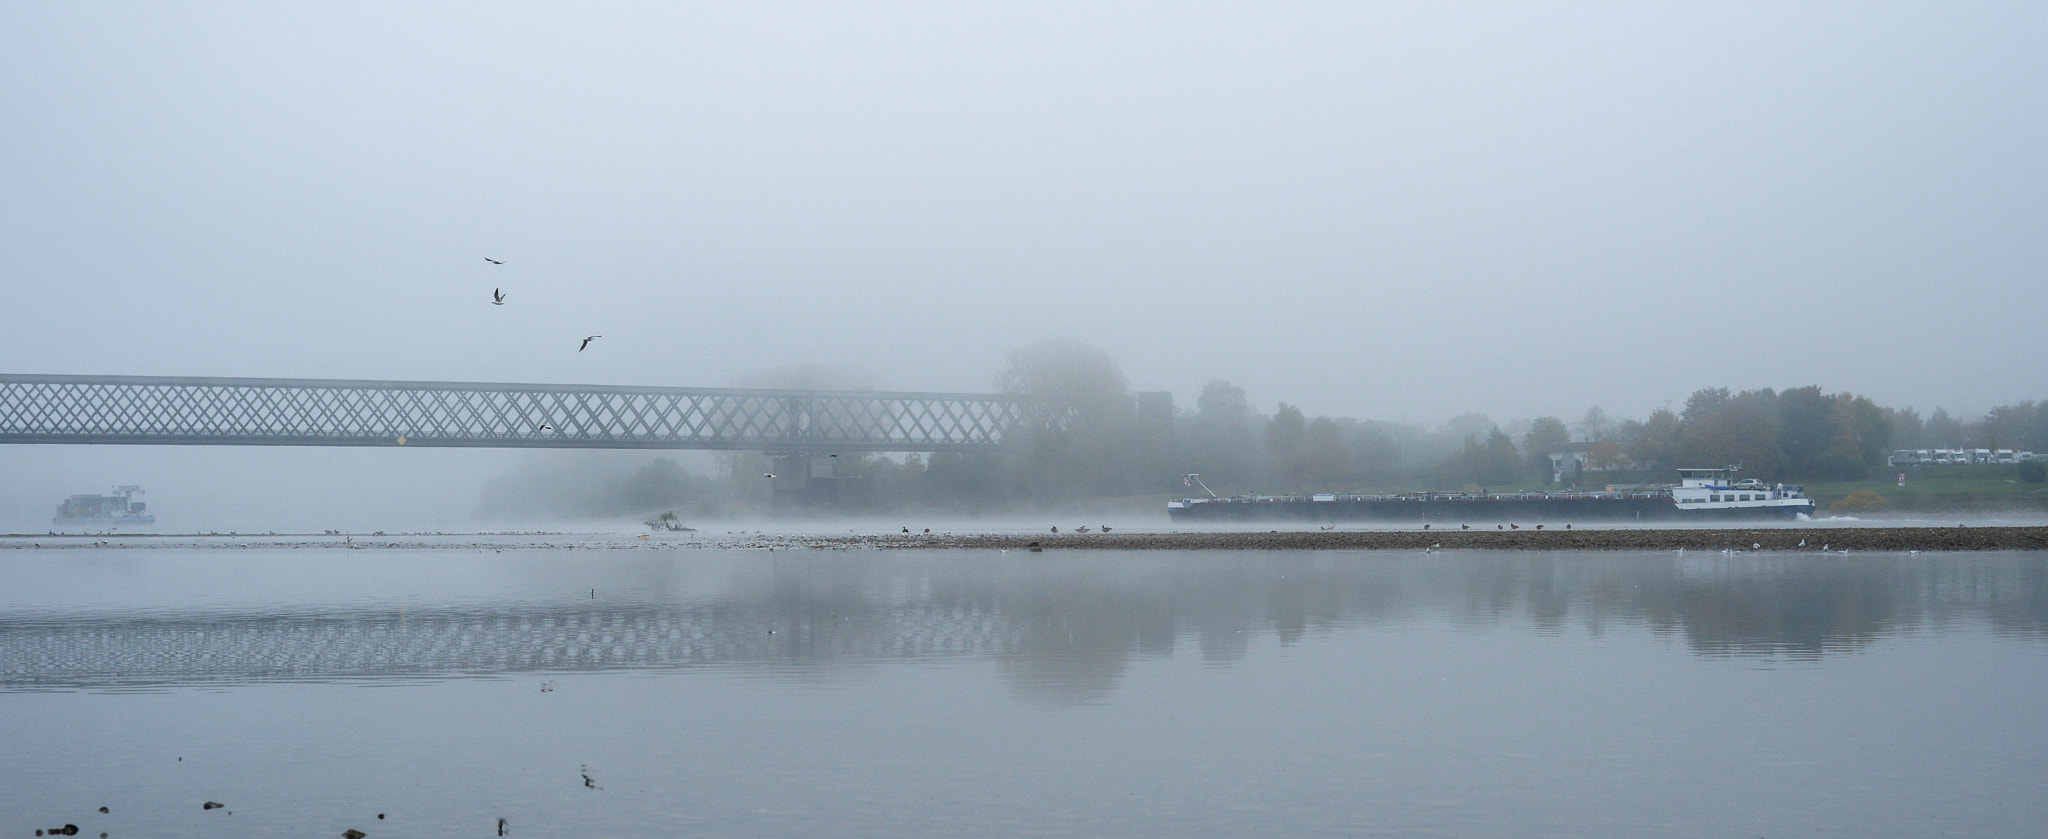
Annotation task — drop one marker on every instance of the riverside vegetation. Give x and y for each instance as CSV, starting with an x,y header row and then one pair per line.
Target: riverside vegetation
x,y
1097,444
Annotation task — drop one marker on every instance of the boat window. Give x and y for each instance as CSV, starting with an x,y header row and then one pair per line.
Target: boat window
x,y
1715,498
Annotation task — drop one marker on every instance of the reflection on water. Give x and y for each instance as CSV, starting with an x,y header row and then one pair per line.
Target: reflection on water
x,y
887,694
1062,628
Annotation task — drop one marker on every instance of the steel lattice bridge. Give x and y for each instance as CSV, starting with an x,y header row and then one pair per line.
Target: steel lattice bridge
x,y
143,410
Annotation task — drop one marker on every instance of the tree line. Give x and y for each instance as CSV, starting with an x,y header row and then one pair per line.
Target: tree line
x,y
1090,437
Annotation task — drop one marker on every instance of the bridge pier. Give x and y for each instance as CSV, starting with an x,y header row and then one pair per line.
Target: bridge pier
x,y
804,482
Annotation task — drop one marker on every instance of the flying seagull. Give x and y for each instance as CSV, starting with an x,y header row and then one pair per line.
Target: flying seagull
x,y
586,342
497,297
492,261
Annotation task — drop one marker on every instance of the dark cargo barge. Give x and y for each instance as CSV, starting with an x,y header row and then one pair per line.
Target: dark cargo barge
x,y
1701,495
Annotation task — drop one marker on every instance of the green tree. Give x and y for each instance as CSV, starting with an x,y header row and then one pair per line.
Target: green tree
x,y
1739,430
1503,463
1658,443
1808,423
2023,427
1326,460
1376,453
1494,463
1286,436
661,485
1908,430
1595,425
1217,440
1943,431
1079,432
1834,437
1545,435
1704,401
1863,436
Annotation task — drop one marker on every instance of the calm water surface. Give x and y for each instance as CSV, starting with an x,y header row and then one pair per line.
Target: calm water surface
x,y
743,693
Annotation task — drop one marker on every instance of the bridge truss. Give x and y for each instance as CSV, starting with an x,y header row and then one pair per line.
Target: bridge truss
x,y
142,410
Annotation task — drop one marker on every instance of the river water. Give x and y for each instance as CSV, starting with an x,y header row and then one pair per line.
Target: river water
x,y
954,693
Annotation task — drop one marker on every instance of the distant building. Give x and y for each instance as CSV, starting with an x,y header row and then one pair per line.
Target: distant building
x,y
1601,457
1923,457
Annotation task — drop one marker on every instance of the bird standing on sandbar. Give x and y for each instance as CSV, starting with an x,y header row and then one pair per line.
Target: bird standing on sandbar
x,y
586,343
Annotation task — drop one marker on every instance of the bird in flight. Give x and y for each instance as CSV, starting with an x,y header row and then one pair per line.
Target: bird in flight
x,y
492,261
497,297
586,342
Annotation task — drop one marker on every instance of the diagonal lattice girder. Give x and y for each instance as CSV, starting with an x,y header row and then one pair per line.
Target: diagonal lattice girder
x,y
147,410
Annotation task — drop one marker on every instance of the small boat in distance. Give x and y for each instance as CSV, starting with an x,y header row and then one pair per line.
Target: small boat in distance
x,y
104,511
1701,494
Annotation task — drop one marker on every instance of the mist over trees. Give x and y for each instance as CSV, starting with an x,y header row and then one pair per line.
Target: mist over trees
x,y
1090,437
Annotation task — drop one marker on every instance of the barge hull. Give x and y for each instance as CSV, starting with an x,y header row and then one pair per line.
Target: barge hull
x,y
1469,509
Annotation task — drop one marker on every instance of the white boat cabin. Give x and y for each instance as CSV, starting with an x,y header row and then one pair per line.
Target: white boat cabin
x,y
1717,489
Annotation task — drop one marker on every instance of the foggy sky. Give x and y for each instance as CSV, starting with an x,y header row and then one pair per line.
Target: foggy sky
x,y
1375,210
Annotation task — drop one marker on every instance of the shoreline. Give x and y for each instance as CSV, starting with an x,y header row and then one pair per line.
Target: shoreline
x,y
1784,540
1790,540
